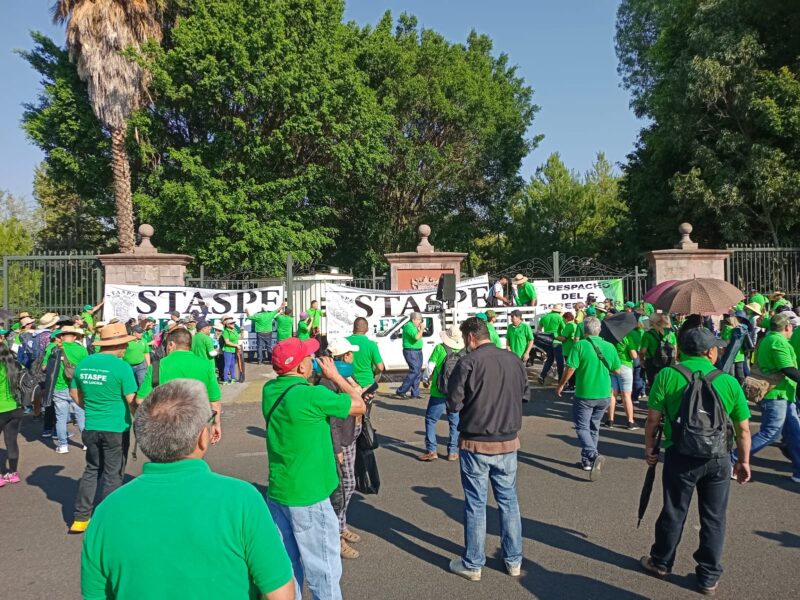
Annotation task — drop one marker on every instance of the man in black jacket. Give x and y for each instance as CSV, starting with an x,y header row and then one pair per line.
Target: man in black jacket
x,y
486,389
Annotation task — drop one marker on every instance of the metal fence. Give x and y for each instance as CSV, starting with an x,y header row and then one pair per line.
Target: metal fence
x,y
766,268
574,268
57,282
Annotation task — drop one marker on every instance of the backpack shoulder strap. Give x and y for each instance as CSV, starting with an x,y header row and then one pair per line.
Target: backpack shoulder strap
x,y
277,402
599,354
712,375
683,370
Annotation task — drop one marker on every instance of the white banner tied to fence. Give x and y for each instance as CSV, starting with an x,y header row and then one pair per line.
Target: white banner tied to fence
x,y
128,301
383,308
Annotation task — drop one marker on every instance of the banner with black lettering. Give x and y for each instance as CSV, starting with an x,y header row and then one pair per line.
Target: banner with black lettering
x,y
128,301
569,293
383,308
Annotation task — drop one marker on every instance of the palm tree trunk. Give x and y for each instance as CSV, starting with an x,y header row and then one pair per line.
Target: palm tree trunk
x,y
122,190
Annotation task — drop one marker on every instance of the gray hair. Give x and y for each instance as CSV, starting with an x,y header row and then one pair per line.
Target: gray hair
x,y
414,315
170,419
591,326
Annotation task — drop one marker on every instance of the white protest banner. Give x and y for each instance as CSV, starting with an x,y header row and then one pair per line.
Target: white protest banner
x,y
127,301
569,293
383,308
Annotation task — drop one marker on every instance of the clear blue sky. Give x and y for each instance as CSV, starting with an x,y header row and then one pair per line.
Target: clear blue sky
x,y
564,50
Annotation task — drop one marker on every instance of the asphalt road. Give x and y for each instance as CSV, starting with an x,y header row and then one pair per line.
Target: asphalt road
x,y
580,537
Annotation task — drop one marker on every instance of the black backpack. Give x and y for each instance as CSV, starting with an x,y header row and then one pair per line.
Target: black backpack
x,y
448,366
665,352
702,428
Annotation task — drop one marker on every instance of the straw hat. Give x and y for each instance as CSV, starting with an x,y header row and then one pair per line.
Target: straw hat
x,y
754,307
452,337
340,346
519,279
24,314
218,326
70,329
48,320
114,334
558,308
776,295
25,321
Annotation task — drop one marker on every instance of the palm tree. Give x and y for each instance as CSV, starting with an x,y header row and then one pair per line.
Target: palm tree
x,y
98,31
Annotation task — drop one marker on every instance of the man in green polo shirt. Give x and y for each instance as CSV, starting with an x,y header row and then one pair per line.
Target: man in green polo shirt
x,y
302,465
88,314
105,387
315,314
181,363
592,360
263,322
202,344
526,293
775,354
284,324
367,361
489,320
412,352
519,336
179,530
66,349
137,355
683,473
553,323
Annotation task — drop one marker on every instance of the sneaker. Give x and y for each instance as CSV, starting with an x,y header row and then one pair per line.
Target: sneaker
x,y
540,380
84,448
597,468
632,426
11,478
608,425
514,571
62,449
27,410
585,467
457,567
707,590
647,564
47,433
795,479
78,527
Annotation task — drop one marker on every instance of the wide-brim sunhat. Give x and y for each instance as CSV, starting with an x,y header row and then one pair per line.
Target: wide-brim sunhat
x,y
519,278
558,308
452,337
48,320
340,346
113,334
754,307
25,321
69,329
776,295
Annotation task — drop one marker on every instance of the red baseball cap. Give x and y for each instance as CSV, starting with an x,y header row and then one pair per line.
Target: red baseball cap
x,y
290,352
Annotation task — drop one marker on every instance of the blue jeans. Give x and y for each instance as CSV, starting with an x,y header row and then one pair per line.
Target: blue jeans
x,y
411,382
477,471
311,537
437,406
778,416
587,415
554,354
229,372
264,343
638,380
139,371
62,402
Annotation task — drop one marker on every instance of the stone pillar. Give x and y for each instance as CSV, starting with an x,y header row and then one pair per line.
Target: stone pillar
x,y
146,266
687,260
420,270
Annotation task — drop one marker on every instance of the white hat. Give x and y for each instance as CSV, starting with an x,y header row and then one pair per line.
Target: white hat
x,y
339,346
452,338
558,308
264,308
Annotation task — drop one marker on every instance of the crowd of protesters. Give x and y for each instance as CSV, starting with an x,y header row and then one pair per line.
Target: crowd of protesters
x,y
165,384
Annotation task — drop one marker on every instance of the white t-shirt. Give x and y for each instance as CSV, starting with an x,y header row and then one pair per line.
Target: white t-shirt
x,y
498,289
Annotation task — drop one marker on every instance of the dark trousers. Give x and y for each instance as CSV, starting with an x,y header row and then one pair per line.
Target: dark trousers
x,y
638,380
10,423
106,455
49,422
411,382
555,353
264,346
712,479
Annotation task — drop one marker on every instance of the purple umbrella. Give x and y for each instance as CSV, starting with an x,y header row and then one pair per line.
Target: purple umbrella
x,y
655,293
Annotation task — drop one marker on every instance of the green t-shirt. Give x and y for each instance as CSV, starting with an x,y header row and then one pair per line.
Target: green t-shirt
x,y
518,337
303,331
438,357
202,344
105,380
7,400
88,318
204,536
525,294
316,317
285,326
794,341
494,336
624,349
592,378
775,353
570,333
232,335
759,299
651,339
367,357
134,355
183,364
262,321
727,334
74,352
552,323
666,393
636,336
778,303
409,337
302,467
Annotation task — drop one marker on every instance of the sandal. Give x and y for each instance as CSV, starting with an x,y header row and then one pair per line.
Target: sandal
x,y
348,551
428,456
350,536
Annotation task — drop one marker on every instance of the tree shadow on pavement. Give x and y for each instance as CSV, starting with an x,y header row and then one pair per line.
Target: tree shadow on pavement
x,y
57,488
605,446
259,432
785,538
538,462
552,585
418,411
399,446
